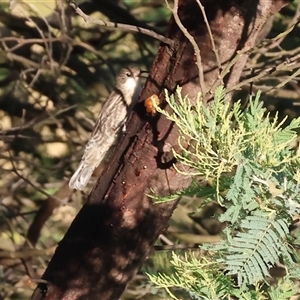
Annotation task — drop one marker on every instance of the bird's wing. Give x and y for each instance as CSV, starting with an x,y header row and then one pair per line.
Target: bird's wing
x,y
108,114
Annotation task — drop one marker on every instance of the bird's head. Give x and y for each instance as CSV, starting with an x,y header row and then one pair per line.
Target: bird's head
x,y
127,79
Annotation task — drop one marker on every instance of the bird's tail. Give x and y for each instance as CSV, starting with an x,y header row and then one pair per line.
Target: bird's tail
x,y
92,157
81,177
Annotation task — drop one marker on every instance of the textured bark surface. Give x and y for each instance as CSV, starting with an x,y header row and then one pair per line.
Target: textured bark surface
x,y
114,231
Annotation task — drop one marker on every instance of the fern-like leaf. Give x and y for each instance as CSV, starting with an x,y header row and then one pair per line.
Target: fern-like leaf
x,y
255,249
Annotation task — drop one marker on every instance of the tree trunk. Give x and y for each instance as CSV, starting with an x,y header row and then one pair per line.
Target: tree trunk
x,y
116,228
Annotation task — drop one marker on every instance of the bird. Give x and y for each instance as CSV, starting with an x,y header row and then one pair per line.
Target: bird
x,y
111,119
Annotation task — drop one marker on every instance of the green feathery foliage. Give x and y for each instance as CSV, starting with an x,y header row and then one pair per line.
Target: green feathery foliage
x,y
254,174
199,276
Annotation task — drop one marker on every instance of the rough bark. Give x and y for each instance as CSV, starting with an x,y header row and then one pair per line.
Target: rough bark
x,y
114,231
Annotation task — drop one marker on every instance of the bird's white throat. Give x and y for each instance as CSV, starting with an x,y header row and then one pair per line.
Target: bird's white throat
x,y
130,83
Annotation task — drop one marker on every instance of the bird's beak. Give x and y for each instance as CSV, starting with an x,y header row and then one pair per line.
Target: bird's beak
x,y
144,72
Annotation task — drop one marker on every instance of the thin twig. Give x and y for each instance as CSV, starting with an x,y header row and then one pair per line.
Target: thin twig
x,y
48,46
36,121
284,82
120,26
291,26
25,61
27,253
284,65
20,42
214,48
263,49
192,41
33,185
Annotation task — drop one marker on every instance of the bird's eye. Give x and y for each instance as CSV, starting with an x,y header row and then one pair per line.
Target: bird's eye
x,y
128,74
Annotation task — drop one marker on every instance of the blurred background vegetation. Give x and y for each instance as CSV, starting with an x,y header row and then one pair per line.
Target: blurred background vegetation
x,y
55,72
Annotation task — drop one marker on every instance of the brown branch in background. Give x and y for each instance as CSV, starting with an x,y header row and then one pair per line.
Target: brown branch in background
x,y
28,253
45,211
125,27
